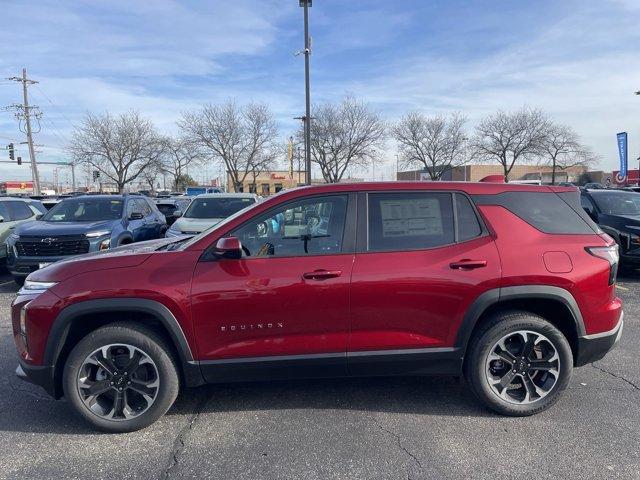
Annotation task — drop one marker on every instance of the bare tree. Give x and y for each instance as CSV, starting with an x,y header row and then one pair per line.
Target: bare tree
x,y
562,149
510,137
435,143
120,147
344,135
241,137
180,153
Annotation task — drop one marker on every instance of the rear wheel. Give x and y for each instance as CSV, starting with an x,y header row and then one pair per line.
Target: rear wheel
x,y
518,364
121,377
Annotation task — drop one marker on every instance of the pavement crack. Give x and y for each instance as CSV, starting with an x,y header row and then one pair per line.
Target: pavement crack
x,y
620,377
399,442
179,443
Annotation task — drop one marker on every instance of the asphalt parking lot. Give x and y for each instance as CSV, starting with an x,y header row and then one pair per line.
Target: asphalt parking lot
x,y
399,428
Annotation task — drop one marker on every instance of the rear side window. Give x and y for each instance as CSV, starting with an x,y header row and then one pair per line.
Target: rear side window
x,y
19,210
410,221
468,225
547,212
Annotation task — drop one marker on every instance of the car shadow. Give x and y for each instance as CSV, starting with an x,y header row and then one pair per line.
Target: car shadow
x,y
31,411
411,395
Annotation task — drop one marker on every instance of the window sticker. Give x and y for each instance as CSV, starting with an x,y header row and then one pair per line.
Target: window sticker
x,y
411,217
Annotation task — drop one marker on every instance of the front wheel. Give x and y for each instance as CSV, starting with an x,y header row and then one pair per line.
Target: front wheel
x,y
121,377
518,364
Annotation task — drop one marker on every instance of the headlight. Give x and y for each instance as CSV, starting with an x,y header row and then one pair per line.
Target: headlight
x,y
33,287
105,244
13,237
99,233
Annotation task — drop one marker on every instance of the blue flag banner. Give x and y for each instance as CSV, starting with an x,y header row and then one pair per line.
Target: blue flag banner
x,y
622,152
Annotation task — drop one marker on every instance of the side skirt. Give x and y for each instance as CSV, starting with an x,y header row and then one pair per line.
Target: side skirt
x,y
423,361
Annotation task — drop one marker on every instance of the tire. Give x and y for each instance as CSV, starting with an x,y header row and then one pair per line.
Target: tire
x,y
19,280
156,375
488,366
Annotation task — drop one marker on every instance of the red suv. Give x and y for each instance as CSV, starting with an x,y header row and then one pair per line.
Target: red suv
x,y
509,285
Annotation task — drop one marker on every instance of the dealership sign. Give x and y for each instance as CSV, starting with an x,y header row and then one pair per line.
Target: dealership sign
x,y
622,153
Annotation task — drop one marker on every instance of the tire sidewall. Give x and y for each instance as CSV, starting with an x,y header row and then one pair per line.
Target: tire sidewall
x,y
167,374
488,338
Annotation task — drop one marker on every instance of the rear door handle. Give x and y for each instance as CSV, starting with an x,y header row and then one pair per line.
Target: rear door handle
x,y
321,274
467,264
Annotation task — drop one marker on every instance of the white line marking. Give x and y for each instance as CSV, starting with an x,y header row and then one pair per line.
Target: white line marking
x,y
6,283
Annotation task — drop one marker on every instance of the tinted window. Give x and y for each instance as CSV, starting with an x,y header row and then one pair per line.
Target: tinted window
x,y
4,211
586,203
547,212
19,210
85,210
468,224
166,209
308,227
216,207
617,203
408,221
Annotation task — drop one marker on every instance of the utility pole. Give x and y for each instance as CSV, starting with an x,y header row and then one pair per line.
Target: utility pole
x,y
73,176
27,114
307,84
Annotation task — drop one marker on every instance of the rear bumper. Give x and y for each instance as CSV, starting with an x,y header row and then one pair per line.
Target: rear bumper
x,y
43,376
594,347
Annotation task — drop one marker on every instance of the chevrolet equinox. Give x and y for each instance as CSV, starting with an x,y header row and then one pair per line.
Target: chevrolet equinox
x,y
510,286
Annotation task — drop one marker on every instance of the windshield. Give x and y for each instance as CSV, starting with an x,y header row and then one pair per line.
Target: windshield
x,y
85,210
231,218
221,207
617,203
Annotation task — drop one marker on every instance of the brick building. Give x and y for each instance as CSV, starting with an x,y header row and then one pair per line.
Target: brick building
x,y
473,173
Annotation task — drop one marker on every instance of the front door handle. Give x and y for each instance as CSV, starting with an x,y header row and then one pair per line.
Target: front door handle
x,y
467,264
321,274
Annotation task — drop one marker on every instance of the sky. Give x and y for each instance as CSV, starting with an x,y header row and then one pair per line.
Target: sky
x,y
576,59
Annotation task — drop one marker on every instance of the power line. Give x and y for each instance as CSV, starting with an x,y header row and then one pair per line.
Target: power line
x,y
26,112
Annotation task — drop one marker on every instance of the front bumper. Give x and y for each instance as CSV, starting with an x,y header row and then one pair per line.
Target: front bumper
x,y
592,348
43,376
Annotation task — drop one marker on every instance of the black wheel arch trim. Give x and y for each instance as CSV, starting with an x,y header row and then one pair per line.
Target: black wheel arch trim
x,y
497,295
63,322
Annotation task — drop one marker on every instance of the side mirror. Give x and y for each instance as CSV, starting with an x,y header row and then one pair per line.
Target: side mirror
x,y
136,216
591,213
228,247
177,213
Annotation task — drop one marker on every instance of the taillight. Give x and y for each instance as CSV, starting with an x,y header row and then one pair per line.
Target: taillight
x,y
611,255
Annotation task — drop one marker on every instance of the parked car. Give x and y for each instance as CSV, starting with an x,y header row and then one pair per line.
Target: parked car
x,y
333,280
617,212
13,212
195,191
79,225
207,210
172,208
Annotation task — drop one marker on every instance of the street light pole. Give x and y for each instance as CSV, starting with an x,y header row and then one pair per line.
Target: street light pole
x,y
307,84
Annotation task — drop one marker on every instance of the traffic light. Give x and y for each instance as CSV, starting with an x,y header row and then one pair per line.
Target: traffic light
x,y
19,160
12,154
96,175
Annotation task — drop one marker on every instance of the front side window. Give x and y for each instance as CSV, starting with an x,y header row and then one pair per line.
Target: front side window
x,y
409,221
19,211
217,207
307,227
85,210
